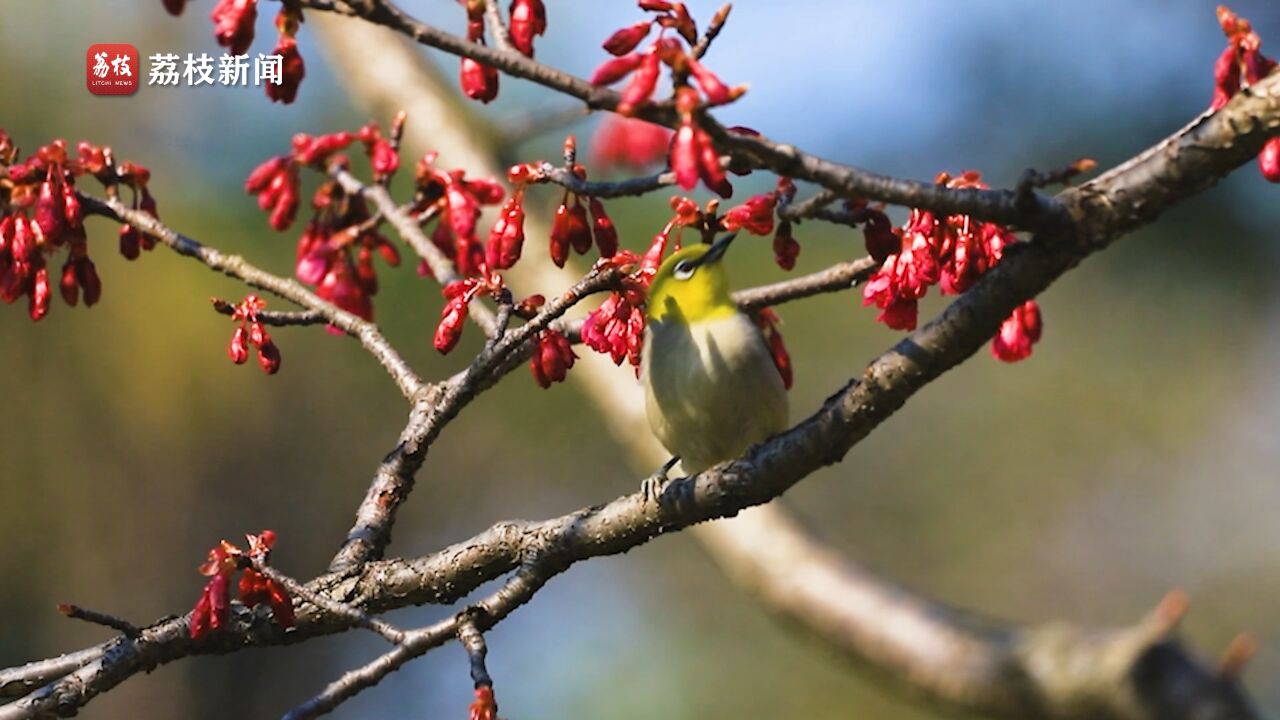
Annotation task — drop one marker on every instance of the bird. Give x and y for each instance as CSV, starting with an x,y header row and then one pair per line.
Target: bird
x,y
710,383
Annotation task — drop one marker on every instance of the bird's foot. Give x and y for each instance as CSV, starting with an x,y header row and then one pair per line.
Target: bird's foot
x,y
651,487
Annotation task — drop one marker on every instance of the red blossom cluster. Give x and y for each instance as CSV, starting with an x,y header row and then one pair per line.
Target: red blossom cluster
x,y
233,29
953,251
458,295
251,332
622,142
335,252
693,154
1240,65
40,213
552,358
212,610
616,328
457,201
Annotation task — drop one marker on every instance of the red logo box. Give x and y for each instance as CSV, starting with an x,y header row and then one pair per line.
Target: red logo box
x,y
111,69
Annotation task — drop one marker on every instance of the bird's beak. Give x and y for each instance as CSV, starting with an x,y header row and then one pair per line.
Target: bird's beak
x,y
718,249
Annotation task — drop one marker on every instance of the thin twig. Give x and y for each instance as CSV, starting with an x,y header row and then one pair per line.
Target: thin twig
x,y
275,317
99,618
498,27
713,30
517,591
353,615
411,231
237,267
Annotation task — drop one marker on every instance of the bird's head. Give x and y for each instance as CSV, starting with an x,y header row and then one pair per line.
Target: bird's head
x,y
692,285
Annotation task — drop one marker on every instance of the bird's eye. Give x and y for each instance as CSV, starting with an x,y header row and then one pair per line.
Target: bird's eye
x,y
683,270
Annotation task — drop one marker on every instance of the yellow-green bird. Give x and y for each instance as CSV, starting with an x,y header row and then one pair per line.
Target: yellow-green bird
x,y
711,387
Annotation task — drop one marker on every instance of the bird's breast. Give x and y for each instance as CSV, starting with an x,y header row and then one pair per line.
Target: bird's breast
x,y
711,389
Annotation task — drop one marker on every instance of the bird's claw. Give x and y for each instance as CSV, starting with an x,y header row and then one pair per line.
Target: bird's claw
x,y
651,487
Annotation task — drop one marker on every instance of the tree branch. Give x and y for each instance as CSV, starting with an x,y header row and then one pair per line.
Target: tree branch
x,y
237,267
1001,206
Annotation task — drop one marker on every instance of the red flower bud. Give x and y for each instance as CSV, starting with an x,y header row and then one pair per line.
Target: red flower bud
x,y
292,70
211,611
269,361
130,242
258,334
68,286
684,156
614,69
642,84
264,174
1269,160
238,349
71,210
625,40
560,235
579,227
635,144
881,240
479,81
785,247
755,215
506,240
233,24
551,359
605,233
50,212
449,331
38,299
716,92
383,158
1018,333
709,166
87,277
1226,77
174,6
528,18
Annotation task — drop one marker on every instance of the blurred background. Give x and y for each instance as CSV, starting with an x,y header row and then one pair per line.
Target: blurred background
x,y
1133,453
